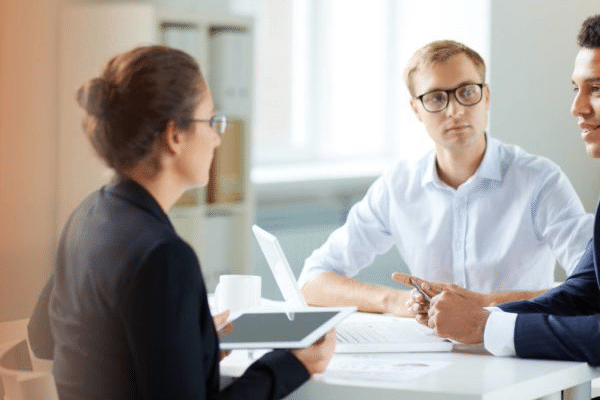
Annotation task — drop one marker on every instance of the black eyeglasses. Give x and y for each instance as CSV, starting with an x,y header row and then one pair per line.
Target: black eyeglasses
x,y
218,124
467,95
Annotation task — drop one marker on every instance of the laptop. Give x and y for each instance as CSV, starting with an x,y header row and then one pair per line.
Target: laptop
x,y
377,334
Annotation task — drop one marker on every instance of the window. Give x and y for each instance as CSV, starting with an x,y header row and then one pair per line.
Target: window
x,y
329,83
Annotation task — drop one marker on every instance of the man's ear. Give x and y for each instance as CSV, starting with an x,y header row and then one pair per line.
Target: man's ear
x,y
487,96
173,138
414,107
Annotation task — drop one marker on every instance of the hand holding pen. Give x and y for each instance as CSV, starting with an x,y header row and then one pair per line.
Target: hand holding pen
x,y
422,294
425,288
449,310
417,286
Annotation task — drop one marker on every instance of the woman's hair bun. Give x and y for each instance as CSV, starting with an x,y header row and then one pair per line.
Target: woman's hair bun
x,y
97,96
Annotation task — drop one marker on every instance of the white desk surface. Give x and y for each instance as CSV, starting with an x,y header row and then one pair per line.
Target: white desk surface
x,y
472,374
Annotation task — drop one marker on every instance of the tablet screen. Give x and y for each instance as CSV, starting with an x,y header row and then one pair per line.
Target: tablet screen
x,y
276,330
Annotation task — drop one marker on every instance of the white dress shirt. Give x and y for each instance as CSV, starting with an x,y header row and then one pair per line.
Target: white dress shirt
x,y
503,229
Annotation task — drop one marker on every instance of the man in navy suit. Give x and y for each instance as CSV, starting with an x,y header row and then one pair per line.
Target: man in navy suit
x,y
563,323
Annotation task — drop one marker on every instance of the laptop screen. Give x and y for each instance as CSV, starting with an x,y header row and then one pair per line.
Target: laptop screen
x,y
280,268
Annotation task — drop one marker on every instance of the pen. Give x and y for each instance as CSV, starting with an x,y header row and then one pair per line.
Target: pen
x,y
414,283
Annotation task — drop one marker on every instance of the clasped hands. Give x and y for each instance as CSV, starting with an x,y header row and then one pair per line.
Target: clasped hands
x,y
453,312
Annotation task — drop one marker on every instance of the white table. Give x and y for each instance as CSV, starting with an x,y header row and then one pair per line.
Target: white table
x,y
472,374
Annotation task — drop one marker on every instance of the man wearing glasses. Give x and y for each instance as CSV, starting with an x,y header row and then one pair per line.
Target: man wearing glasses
x,y
563,323
474,212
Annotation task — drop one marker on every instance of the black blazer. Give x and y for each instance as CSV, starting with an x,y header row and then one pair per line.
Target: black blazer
x,y
564,323
128,312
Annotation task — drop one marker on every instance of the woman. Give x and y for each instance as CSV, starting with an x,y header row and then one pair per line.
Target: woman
x,y
128,309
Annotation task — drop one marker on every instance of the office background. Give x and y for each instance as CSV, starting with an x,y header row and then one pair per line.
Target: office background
x,y
532,46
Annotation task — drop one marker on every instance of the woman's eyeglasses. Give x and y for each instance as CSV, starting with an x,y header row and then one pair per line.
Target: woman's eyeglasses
x,y
218,124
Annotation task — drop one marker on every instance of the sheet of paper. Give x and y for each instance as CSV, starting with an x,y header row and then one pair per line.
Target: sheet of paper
x,y
378,369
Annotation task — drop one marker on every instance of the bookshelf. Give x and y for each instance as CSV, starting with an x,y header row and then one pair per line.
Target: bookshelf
x,y
216,220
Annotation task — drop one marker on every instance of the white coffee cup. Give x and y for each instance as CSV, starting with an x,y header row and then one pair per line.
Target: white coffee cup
x,y
238,292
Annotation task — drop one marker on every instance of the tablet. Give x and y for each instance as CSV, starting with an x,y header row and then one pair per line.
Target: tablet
x,y
268,329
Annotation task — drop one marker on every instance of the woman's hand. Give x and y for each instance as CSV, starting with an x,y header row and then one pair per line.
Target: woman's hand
x,y
316,357
222,325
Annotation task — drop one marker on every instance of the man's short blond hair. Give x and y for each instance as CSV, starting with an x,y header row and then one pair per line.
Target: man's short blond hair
x,y
437,52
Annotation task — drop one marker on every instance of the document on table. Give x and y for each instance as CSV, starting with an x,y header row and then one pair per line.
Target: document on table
x,y
378,368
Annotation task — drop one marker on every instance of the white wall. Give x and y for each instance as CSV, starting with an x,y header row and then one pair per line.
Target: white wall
x,y
533,45
89,34
28,122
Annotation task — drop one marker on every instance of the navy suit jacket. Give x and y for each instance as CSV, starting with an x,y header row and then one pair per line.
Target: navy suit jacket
x,y
564,323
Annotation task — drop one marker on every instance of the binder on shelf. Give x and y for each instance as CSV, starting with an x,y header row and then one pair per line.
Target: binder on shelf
x,y
230,75
226,183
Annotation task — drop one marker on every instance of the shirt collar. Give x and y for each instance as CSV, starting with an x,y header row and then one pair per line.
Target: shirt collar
x,y
489,168
430,175
133,192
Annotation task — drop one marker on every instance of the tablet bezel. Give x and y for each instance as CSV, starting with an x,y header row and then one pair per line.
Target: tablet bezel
x,y
312,337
